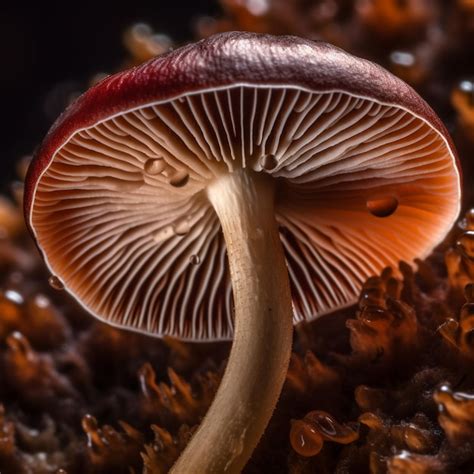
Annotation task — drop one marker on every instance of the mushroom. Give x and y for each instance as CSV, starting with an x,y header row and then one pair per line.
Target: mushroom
x,y
233,188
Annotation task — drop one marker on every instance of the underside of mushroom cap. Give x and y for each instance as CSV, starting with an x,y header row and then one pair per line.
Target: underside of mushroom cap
x,y
116,196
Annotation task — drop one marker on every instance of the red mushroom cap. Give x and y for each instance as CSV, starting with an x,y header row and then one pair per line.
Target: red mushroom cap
x,y
348,142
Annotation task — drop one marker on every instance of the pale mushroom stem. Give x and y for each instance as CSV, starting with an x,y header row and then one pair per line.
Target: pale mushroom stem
x,y
258,362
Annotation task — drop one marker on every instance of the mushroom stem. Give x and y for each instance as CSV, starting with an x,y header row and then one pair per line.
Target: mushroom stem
x,y
258,361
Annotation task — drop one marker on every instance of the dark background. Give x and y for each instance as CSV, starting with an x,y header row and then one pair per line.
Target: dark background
x,y
64,43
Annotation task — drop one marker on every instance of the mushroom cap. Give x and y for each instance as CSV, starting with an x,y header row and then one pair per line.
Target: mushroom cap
x,y
366,175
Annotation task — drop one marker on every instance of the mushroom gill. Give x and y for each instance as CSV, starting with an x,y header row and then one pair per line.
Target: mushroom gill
x,y
334,155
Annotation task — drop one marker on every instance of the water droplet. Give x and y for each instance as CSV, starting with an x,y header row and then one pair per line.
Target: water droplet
x,y
383,206
195,259
465,244
154,166
269,162
179,179
326,425
330,429
56,283
182,227
305,440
